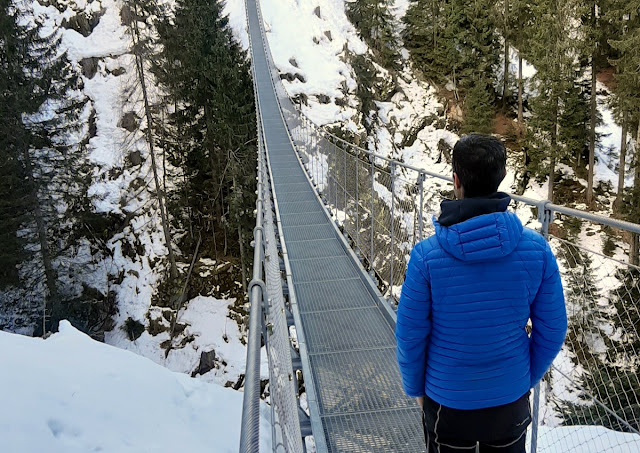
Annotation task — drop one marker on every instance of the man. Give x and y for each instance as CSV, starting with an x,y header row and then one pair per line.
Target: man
x,y
469,291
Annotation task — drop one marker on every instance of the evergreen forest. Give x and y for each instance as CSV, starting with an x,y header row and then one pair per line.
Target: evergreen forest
x,y
189,175
585,54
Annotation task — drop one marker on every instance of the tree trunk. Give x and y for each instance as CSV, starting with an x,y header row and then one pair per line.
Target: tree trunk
x,y
554,150
592,117
241,243
520,83
621,167
243,262
505,87
635,244
149,137
434,5
51,299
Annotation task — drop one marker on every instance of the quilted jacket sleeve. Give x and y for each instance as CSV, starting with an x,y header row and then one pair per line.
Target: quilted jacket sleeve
x,y
413,325
548,320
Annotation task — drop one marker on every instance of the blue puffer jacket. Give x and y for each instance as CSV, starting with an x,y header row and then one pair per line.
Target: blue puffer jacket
x,y
468,293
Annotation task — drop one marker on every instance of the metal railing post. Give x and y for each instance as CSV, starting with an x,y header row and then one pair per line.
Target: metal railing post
x,y
545,215
535,413
420,212
373,218
322,171
335,178
357,204
313,156
393,204
344,189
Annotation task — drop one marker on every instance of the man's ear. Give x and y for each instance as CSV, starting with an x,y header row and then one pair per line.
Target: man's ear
x,y
456,181
457,187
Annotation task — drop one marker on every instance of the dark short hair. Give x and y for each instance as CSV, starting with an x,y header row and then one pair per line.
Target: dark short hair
x,y
480,162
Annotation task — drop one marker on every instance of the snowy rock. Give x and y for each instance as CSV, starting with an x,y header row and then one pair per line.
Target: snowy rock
x,y
83,23
207,363
129,121
135,157
323,99
89,67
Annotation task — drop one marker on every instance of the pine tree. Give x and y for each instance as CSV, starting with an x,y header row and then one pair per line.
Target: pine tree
x,y
142,48
553,52
212,133
574,120
626,15
13,190
376,27
519,27
423,36
45,145
463,37
478,108
367,80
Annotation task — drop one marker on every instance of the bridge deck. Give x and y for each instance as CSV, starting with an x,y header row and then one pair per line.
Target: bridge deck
x,y
349,343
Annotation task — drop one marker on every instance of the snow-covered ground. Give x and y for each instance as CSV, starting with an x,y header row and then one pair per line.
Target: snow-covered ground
x,y
69,394
585,439
209,329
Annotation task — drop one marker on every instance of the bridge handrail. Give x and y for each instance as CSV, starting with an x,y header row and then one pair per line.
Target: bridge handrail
x,y
250,424
250,428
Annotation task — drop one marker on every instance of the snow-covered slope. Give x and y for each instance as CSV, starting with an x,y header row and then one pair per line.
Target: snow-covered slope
x,y
69,393
96,39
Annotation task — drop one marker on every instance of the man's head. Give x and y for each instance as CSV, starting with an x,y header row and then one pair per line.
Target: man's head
x,y
479,165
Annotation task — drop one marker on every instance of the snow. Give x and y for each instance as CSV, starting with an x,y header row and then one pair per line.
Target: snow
x,y
608,150
585,439
69,393
236,12
209,329
291,28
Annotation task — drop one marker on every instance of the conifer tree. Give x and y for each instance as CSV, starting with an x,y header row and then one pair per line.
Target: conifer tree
x,y
375,25
453,41
142,49
478,108
13,190
367,79
45,145
627,93
212,132
553,52
424,27
519,27
506,36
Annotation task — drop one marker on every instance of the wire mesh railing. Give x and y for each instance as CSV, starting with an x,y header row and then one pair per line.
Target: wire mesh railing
x,y
385,207
589,401
268,322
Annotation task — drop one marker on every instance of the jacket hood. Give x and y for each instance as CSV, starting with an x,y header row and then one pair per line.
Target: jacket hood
x,y
477,229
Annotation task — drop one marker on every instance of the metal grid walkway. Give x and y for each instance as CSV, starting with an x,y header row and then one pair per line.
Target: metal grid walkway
x,y
349,344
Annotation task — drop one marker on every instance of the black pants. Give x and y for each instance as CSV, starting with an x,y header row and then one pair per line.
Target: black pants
x,y
500,429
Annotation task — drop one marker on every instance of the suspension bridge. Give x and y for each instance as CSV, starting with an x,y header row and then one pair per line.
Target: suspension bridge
x,y
324,208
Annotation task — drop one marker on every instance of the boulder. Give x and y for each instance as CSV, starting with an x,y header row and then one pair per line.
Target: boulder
x,y
129,121
207,363
89,67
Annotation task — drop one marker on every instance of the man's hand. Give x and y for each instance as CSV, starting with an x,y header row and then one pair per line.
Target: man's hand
x,y
420,401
